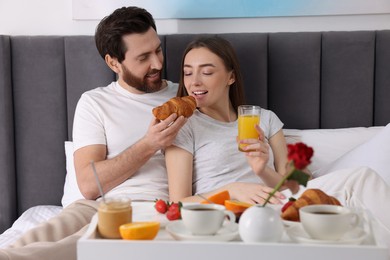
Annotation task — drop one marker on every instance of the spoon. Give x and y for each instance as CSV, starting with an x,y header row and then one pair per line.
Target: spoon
x,y
98,182
206,199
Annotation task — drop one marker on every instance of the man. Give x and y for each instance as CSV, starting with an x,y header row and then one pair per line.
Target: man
x,y
113,127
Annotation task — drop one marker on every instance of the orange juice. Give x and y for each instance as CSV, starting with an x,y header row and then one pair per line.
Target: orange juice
x,y
246,128
113,214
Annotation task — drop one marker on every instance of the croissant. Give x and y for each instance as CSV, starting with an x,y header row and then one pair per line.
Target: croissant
x,y
182,106
309,197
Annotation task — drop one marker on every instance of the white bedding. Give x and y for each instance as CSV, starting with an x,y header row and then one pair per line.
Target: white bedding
x,y
333,148
29,219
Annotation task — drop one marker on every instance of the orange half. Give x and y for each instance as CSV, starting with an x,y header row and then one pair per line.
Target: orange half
x,y
218,198
236,206
139,230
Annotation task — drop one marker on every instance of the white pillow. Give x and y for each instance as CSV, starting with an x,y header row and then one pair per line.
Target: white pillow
x,y
71,189
330,144
375,153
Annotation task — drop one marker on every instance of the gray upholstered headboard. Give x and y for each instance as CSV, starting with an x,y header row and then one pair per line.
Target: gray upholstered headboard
x,y
311,80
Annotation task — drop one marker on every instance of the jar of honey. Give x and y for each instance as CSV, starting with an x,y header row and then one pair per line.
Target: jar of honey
x,y
112,213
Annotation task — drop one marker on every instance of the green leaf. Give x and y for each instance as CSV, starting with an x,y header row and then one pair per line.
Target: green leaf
x,y
299,176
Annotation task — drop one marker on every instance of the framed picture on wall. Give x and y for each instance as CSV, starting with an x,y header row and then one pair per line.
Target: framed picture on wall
x,y
203,9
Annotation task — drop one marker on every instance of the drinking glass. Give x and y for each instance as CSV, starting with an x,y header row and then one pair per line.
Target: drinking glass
x,y
248,118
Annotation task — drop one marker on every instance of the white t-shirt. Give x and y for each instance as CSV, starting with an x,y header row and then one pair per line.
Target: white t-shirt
x,y
117,118
217,160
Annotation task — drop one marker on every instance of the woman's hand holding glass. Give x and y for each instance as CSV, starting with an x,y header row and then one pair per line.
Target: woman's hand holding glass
x,y
258,151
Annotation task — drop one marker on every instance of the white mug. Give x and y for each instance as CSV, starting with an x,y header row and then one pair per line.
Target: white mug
x,y
327,222
205,219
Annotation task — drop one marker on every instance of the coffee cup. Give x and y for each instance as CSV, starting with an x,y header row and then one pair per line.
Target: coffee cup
x,y
205,219
327,222
112,213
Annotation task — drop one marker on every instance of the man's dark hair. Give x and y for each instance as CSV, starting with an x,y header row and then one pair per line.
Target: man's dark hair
x,y
123,21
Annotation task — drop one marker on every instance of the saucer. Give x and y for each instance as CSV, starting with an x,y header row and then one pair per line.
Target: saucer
x,y
353,237
178,231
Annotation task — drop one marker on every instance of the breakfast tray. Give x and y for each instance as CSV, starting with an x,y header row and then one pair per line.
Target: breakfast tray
x,y
92,246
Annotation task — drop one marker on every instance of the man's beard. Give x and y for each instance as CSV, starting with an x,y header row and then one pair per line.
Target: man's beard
x,y
142,84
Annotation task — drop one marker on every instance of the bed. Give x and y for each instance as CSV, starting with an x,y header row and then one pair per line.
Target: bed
x,y
331,89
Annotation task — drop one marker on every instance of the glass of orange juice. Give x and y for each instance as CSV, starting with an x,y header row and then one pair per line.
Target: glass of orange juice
x,y
248,118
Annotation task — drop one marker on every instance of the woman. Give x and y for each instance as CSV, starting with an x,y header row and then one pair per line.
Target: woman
x,y
202,159
205,159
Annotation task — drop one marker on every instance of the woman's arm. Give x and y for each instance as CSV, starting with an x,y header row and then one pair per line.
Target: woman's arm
x,y
179,164
258,159
279,147
242,191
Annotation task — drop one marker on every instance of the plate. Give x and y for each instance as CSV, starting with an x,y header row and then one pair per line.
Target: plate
x,y
353,237
178,231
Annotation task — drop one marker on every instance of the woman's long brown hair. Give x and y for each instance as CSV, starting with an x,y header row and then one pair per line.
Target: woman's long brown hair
x,y
223,49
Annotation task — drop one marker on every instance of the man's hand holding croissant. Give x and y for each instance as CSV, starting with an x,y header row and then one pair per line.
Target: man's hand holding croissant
x,y
170,117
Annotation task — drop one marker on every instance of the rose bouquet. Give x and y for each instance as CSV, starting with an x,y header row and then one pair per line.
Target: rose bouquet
x,y
298,156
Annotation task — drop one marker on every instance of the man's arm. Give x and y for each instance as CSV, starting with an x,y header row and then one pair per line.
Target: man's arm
x,y
114,171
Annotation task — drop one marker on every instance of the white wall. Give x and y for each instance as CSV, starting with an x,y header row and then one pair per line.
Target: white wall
x,y
54,17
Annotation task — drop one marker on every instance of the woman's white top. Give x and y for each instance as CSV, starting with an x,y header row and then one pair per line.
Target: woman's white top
x,y
217,160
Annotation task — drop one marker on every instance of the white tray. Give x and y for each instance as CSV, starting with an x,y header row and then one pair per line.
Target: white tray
x,y
91,246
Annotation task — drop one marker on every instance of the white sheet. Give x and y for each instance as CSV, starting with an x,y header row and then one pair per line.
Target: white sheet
x,y
29,219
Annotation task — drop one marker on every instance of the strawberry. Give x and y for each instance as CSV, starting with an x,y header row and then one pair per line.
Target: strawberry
x,y
174,211
288,203
161,206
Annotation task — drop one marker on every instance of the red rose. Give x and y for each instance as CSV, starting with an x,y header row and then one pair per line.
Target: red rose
x,y
301,154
